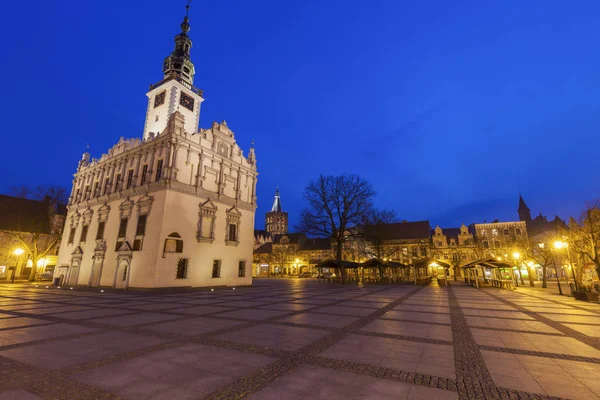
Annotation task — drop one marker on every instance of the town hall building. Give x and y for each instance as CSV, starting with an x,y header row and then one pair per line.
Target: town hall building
x,y
172,209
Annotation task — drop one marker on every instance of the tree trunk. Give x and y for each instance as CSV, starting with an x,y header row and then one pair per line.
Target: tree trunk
x,y
33,269
521,277
544,278
338,258
530,277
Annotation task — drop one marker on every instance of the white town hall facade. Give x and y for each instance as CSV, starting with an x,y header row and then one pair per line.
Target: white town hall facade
x,y
173,209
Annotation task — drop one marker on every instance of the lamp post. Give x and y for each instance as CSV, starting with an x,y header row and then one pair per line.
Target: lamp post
x,y
18,253
542,245
564,245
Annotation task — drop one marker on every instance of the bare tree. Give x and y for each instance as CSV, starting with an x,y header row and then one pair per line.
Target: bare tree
x,y
584,234
56,194
372,240
541,253
36,232
337,205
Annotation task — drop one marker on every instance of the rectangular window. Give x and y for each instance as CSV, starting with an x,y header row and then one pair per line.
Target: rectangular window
x,y
159,170
84,230
216,272
423,252
496,243
242,269
144,173
118,182
106,186
414,252
140,230
100,232
122,228
232,232
137,244
486,245
129,178
94,189
182,268
72,234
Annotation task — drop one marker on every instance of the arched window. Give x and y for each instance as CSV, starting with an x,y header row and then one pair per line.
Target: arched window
x,y
173,244
506,232
483,232
494,232
518,231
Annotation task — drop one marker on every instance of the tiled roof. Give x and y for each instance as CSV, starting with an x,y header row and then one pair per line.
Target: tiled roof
x,y
316,244
25,215
266,248
399,230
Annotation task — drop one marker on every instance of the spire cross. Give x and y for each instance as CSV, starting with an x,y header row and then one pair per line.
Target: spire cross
x,y
187,8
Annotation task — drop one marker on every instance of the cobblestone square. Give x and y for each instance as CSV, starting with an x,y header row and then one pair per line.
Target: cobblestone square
x,y
298,339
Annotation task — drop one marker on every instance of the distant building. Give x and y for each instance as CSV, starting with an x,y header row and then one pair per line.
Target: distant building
x,y
276,219
172,209
454,245
27,217
291,254
540,224
403,242
500,238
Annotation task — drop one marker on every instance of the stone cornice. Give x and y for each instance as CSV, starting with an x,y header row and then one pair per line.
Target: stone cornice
x,y
159,186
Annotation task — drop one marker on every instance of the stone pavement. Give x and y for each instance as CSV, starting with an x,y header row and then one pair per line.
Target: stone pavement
x,y
298,339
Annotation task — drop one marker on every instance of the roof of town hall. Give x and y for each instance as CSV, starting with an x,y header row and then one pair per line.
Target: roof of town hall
x,y
400,230
19,214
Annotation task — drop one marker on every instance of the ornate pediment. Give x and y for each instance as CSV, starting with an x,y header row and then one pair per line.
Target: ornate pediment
x,y
125,208
144,204
75,218
77,252
208,204
234,211
103,212
125,247
87,216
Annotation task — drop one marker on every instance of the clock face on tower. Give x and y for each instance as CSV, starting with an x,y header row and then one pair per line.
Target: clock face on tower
x,y
159,99
186,101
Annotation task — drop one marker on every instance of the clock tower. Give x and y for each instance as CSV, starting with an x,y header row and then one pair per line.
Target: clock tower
x,y
176,92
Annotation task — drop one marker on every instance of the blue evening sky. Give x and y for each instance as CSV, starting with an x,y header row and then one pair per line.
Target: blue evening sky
x,y
450,108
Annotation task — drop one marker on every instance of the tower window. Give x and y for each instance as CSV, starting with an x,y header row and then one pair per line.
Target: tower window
x,y
242,269
160,98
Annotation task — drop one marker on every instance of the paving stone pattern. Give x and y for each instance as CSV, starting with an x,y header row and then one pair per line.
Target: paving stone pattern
x,y
298,339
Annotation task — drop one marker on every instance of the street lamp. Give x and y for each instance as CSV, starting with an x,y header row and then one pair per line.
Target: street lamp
x,y
564,245
18,252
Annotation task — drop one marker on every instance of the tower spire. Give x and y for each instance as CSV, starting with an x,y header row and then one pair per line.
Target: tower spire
x,y
276,202
523,210
179,62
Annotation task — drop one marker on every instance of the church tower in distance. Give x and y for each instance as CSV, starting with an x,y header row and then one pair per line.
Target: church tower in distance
x,y
277,220
524,212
